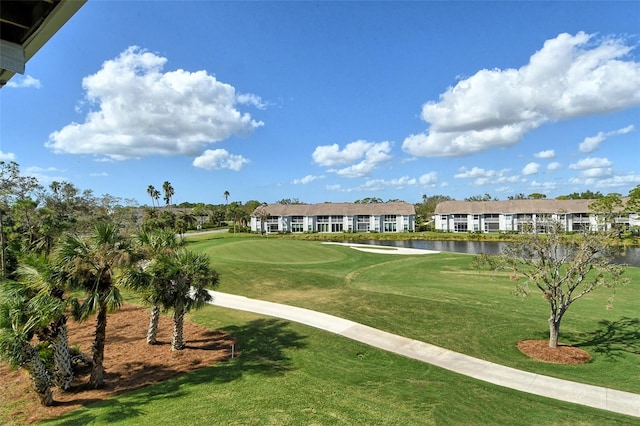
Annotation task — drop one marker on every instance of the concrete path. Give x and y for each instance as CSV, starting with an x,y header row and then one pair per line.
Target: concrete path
x,y
563,390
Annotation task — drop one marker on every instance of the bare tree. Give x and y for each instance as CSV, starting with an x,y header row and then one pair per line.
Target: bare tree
x,y
563,268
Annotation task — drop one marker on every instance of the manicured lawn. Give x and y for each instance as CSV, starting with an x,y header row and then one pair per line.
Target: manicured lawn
x,y
437,299
291,374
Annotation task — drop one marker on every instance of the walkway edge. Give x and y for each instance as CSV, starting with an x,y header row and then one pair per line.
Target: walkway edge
x,y
564,390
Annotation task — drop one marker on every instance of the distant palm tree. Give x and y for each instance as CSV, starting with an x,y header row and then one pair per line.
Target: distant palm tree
x,y
226,197
185,276
90,264
168,192
151,190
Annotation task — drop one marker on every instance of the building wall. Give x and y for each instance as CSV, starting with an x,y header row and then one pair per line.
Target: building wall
x,y
504,222
336,223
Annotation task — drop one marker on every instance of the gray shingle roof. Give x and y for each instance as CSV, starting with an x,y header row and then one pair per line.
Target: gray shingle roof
x,y
339,209
514,206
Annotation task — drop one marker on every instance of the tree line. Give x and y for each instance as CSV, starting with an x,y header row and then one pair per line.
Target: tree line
x,y
68,254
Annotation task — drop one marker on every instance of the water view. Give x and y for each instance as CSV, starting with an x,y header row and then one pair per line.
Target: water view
x,y
630,256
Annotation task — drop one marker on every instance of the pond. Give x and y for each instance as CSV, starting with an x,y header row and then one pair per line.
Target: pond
x,y
630,256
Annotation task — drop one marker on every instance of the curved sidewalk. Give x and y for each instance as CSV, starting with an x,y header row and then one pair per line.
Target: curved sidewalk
x,y
563,390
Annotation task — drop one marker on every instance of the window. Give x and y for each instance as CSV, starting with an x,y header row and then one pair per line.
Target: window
x,y
390,223
363,224
272,224
460,223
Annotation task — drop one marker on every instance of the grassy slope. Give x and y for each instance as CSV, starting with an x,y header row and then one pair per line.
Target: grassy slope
x,y
436,299
290,374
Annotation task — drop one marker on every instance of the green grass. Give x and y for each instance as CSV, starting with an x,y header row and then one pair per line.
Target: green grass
x,y
438,299
290,374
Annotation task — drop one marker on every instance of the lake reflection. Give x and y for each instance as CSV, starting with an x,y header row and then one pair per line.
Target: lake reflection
x,y
631,255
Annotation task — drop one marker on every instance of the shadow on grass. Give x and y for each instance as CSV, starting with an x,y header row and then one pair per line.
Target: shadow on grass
x,y
613,338
260,348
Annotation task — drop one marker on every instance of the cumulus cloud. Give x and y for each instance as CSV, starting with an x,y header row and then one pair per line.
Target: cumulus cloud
x,y
217,159
550,153
24,82
545,186
571,76
307,179
475,172
481,176
7,156
381,184
139,110
553,166
590,163
371,154
45,175
592,143
429,179
531,169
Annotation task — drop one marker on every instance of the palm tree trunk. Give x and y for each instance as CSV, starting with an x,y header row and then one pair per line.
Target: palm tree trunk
x,y
152,332
63,375
177,342
97,372
39,376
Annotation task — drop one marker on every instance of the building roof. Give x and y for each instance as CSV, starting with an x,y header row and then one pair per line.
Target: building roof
x,y
338,209
514,207
25,26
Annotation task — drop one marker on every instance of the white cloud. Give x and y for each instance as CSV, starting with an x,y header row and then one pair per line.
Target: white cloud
x,y
251,99
216,159
590,163
144,111
475,172
550,153
307,179
481,176
372,154
545,186
45,175
24,82
335,187
102,174
7,156
381,184
429,179
553,166
531,169
571,76
592,143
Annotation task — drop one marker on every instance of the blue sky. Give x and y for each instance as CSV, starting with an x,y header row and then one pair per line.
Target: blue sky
x,y
332,101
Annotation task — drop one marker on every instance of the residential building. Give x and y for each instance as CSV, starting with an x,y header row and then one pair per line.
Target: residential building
x,y
334,217
516,215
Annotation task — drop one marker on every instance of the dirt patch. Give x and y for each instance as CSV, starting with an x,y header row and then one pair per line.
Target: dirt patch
x,y
130,363
563,354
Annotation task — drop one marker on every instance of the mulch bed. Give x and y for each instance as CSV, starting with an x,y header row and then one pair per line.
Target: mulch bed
x,y
130,363
563,354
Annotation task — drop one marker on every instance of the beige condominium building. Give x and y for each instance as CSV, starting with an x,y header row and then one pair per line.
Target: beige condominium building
x,y
334,217
518,215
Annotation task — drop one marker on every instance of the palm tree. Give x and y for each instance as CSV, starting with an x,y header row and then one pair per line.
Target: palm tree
x,y
41,277
168,192
22,315
90,264
138,277
185,276
151,190
226,197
